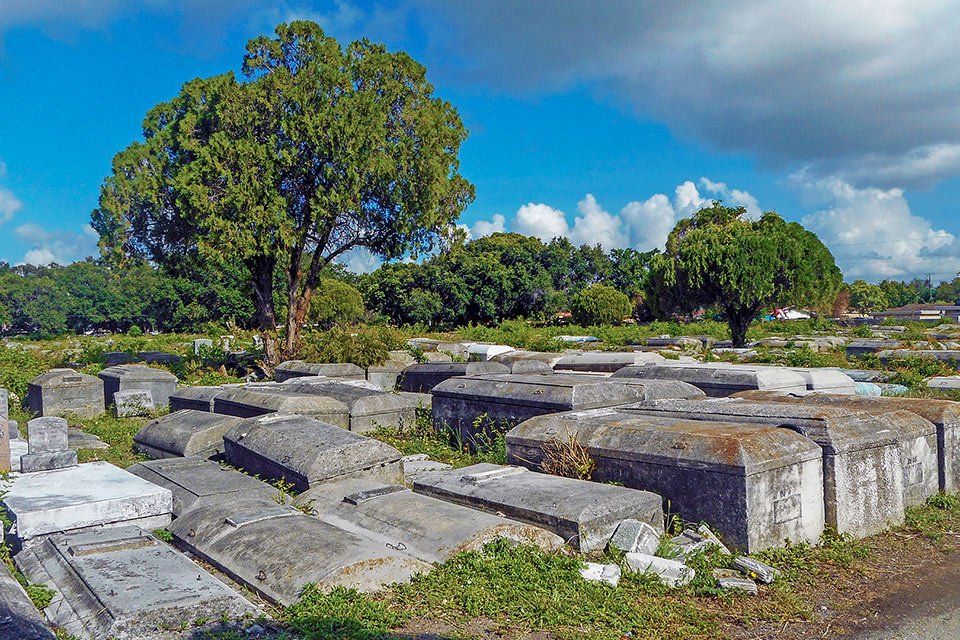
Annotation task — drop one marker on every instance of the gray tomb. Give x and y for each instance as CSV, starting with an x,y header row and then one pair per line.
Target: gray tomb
x,y
305,451
19,619
430,529
133,402
367,409
757,485
386,374
160,383
8,430
528,361
197,398
827,381
582,513
184,433
477,407
605,362
277,550
197,481
860,348
61,392
251,401
125,584
48,446
718,379
299,368
115,358
423,377
159,357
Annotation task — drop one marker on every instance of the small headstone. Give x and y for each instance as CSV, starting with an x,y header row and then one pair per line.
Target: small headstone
x,y
201,344
606,573
755,569
133,402
633,536
48,446
672,573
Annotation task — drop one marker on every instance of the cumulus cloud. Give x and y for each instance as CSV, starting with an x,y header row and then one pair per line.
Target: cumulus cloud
x,y
596,226
868,90
498,224
56,246
540,220
359,260
9,203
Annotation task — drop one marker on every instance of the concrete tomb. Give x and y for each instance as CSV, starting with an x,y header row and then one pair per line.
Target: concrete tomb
x,y
160,383
132,402
860,348
827,381
184,433
115,358
423,377
305,451
299,368
251,401
528,361
757,485
196,481
474,407
429,529
19,619
61,392
197,398
48,448
482,351
125,584
367,409
277,550
86,495
7,429
719,379
386,374
862,468
583,513
605,362
159,357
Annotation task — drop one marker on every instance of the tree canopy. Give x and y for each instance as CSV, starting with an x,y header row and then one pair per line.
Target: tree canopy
x,y
718,257
318,150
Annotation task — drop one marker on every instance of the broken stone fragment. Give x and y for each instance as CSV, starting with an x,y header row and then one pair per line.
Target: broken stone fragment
x,y
672,573
710,537
594,572
633,536
755,569
739,583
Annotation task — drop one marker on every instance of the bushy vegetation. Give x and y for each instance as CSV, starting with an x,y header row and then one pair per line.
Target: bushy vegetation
x,y
599,304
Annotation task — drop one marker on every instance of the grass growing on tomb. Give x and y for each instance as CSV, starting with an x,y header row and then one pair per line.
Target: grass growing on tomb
x,y
422,437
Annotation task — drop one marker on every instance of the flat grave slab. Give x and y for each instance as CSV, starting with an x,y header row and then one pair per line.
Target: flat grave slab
x,y
125,584
718,379
520,361
423,377
160,383
91,494
196,398
299,368
605,362
367,409
582,513
860,348
184,433
19,619
60,392
248,402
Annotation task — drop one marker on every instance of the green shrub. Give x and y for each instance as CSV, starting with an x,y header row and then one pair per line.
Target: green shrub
x,y
362,346
135,331
599,304
335,302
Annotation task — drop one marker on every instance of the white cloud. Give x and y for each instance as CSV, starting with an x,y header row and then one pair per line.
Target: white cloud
x,y
9,205
649,222
481,228
59,246
734,197
360,260
540,220
596,226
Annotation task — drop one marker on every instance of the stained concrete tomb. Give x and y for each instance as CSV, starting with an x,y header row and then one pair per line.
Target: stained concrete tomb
x,y
184,433
61,392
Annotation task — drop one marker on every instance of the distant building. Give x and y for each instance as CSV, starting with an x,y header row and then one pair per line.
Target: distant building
x,y
921,313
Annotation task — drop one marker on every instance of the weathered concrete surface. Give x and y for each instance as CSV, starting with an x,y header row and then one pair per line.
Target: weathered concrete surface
x,y
159,357
133,402
277,550
827,381
305,451
184,433
115,358
860,348
423,377
196,481
6,428
299,368
528,361
475,407
430,529
196,398
605,362
367,409
757,485
584,514
19,619
61,392
91,494
251,402
386,374
866,483
160,383
48,446
719,379
125,584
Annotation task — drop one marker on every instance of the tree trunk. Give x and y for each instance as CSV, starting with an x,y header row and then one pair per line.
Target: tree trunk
x,y
739,323
261,276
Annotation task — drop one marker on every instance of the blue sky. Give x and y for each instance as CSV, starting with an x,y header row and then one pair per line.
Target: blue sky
x,y
602,121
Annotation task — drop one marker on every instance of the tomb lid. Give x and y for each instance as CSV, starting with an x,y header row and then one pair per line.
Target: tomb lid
x,y
186,432
138,372
939,412
320,368
717,374
360,400
281,399
63,378
606,361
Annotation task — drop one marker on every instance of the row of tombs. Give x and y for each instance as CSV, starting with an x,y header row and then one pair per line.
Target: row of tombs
x,y
762,454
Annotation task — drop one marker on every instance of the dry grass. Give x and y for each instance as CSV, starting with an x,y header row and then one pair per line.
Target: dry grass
x,y
568,458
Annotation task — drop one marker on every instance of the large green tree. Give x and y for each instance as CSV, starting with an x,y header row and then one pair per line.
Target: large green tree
x,y
718,257
318,150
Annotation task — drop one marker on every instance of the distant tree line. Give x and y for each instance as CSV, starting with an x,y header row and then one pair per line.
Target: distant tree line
x,y
863,297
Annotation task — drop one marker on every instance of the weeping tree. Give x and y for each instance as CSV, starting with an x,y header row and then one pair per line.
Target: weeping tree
x,y
317,150
718,257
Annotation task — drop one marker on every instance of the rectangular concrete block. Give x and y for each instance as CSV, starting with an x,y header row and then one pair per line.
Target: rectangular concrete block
x,y
19,619
125,584
860,348
386,374
90,494
423,377
247,402
60,392
196,481
132,402
277,550
298,368
582,513
33,462
757,485
718,379
160,383
605,362
827,381
368,409
184,433
306,451
520,361
196,398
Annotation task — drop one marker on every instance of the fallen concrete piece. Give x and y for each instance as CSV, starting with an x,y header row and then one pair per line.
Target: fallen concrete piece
x,y
196,398
159,382
367,409
423,377
633,536
719,379
606,573
528,361
757,485
125,584
60,392
19,619
132,402
672,573
305,451
48,446
77,439
277,550
584,514
184,433
605,362
195,480
427,528
476,408
90,494
827,381
755,569
299,368
745,585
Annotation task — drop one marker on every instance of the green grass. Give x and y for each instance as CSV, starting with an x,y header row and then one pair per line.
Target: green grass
x,y
116,432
